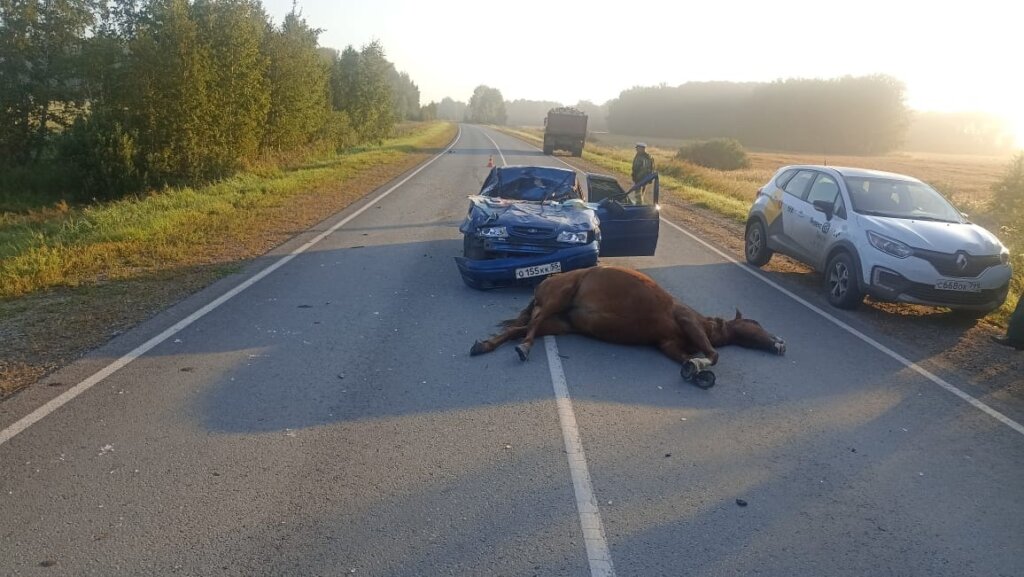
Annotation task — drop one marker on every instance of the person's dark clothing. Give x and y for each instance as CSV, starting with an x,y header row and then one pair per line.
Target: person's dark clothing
x,y
1015,329
643,165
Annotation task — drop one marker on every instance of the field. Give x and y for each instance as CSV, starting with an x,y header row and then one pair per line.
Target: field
x,y
964,179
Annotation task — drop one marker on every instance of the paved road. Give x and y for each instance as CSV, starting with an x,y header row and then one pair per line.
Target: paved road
x,y
328,420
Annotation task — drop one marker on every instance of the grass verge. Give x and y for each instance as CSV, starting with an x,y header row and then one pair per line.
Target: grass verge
x,y
70,278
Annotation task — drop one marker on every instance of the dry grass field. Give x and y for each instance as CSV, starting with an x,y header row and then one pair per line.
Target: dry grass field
x,y
964,179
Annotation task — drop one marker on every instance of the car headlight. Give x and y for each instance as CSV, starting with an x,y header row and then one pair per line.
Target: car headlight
x,y
572,237
889,245
493,232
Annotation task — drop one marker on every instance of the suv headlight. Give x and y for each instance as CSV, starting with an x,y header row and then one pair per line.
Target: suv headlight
x,y
493,232
889,245
572,237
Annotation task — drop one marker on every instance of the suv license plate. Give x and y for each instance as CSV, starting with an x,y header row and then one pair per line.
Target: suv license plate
x,y
539,270
968,286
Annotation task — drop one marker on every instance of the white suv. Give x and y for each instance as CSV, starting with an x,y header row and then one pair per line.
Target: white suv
x,y
878,233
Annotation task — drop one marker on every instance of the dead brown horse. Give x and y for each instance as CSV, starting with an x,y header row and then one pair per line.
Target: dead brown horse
x,y
625,306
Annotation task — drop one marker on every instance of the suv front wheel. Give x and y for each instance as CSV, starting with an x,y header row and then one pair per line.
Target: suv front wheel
x,y
842,282
756,244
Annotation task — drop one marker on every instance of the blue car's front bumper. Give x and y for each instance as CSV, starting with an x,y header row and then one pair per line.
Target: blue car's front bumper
x,y
485,274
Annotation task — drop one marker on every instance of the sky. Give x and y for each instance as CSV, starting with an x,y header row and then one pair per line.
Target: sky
x,y
952,56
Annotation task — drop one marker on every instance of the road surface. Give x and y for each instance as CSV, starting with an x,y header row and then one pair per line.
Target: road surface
x,y
319,414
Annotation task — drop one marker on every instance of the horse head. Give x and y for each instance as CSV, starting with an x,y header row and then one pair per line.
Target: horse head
x,y
750,334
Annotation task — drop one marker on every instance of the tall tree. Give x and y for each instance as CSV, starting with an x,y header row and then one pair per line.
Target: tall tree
x,y
487,106
405,95
299,88
171,107
452,110
41,85
239,93
372,112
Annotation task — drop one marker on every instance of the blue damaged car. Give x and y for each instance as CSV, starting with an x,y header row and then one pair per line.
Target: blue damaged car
x,y
528,222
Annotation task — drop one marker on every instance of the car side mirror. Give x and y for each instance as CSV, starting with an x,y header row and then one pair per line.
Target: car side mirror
x,y
824,206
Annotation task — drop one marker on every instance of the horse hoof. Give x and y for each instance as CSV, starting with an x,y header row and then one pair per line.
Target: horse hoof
x,y
688,371
780,347
523,352
704,379
478,349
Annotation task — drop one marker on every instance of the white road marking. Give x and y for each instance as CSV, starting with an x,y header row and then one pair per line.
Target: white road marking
x,y
870,341
496,147
57,402
586,503
598,555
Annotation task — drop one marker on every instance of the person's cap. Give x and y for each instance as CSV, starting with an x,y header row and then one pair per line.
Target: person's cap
x,y
641,145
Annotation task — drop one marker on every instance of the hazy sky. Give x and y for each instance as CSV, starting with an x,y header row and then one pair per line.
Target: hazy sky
x,y
952,56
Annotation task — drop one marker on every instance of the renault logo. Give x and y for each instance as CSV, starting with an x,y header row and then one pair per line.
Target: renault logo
x,y
961,261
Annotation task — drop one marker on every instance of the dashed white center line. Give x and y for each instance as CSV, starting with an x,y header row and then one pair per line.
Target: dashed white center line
x,y
586,503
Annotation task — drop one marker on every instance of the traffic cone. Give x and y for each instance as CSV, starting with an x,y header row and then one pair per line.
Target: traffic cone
x,y
490,161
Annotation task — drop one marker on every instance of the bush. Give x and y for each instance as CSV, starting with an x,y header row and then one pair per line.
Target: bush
x,y
103,154
1008,193
717,153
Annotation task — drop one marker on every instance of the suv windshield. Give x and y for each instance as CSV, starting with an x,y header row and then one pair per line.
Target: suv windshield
x,y
899,199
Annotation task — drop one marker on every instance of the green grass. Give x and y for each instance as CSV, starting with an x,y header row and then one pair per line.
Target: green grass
x,y
63,246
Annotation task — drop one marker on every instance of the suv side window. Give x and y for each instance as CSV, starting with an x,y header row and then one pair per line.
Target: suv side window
x,y
839,208
783,178
825,188
797,186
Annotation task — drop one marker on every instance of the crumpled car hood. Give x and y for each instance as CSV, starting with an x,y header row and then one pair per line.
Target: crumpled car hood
x,y
573,216
937,236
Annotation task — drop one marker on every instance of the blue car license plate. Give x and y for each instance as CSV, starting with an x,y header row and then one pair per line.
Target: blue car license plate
x,y
539,270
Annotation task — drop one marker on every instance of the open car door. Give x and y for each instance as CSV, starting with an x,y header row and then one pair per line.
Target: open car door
x,y
629,227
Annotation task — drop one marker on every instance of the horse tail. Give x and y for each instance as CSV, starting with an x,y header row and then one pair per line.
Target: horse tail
x,y
523,319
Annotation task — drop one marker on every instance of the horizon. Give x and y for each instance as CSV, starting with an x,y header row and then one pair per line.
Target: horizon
x,y
449,48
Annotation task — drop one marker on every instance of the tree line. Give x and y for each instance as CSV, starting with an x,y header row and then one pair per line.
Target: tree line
x,y
853,115
118,95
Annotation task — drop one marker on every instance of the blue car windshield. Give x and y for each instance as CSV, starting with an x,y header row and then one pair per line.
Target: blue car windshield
x,y
899,199
531,183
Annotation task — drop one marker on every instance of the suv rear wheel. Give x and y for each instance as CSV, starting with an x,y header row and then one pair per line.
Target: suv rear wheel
x,y
842,282
756,244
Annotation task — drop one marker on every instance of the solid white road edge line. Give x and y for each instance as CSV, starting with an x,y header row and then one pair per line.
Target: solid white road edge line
x,y
598,555
870,341
586,503
59,401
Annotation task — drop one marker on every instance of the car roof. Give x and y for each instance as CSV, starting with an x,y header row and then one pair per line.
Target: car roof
x,y
533,168
846,171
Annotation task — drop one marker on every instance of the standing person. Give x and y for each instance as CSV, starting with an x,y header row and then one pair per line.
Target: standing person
x,y
1015,328
643,165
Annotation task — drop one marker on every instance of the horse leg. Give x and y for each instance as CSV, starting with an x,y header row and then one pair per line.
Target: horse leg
x,y
554,325
674,349
552,297
696,335
693,369
481,347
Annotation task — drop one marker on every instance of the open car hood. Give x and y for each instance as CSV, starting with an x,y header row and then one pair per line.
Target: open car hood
x,y
574,215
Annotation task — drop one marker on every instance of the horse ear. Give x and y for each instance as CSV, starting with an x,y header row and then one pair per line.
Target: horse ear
x,y
739,315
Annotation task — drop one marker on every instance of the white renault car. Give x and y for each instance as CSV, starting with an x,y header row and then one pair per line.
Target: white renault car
x,y
878,233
